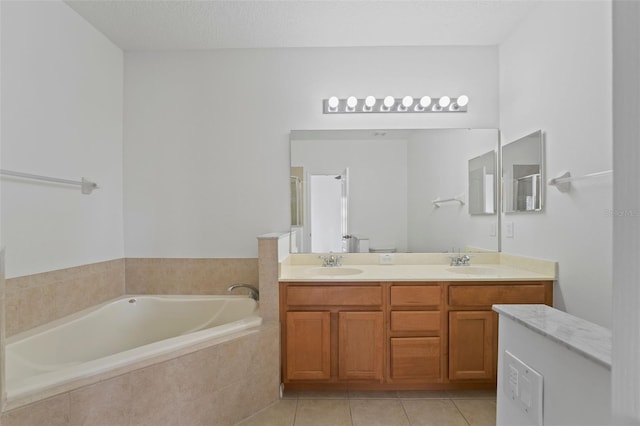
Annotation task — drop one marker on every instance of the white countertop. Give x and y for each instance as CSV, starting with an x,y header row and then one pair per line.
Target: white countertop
x,y
410,272
583,337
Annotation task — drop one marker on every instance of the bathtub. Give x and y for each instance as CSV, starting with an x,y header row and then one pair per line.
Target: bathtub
x,y
117,334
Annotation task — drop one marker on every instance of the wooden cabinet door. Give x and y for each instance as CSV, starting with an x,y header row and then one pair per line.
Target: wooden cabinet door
x,y
360,345
415,358
308,346
472,345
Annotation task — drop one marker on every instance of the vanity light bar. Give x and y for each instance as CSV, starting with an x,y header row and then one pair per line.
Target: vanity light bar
x,y
407,104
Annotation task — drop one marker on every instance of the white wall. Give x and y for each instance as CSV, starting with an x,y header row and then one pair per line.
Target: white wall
x,y
626,227
62,100
449,227
377,183
206,133
555,75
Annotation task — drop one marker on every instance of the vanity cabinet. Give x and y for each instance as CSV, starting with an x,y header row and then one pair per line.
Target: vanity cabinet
x,y
473,326
396,335
334,333
415,329
360,345
308,345
472,345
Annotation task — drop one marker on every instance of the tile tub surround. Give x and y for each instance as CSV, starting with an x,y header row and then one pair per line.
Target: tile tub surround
x,y
271,248
37,299
588,340
188,276
215,385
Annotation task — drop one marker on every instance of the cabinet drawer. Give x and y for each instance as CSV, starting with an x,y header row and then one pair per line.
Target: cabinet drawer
x,y
415,295
486,295
415,358
415,321
334,295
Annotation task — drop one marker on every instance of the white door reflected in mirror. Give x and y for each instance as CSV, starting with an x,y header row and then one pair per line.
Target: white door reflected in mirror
x,y
328,216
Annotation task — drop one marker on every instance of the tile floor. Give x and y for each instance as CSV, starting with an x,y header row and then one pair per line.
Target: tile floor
x,y
380,408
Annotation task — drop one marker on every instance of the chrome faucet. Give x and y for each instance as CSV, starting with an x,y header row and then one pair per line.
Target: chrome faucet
x,y
253,292
331,261
460,260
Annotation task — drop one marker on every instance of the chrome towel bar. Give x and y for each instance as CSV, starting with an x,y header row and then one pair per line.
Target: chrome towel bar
x,y
86,186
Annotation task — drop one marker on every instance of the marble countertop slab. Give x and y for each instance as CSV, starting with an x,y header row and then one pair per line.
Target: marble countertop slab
x,y
583,337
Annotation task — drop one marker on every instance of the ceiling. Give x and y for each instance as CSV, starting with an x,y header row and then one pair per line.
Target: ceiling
x,y
136,25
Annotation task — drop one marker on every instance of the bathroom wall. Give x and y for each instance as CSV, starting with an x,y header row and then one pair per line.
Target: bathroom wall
x,y
207,133
450,227
555,75
62,106
377,184
626,227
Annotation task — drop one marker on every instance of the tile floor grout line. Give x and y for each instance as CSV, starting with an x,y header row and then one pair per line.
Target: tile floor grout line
x,y
405,411
295,413
459,411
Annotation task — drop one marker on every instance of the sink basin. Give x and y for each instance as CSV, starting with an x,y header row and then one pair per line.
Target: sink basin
x,y
333,271
474,270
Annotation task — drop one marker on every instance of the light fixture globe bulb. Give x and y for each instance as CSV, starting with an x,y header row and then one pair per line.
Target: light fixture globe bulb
x,y
444,101
352,101
333,102
462,100
369,101
407,101
425,101
389,101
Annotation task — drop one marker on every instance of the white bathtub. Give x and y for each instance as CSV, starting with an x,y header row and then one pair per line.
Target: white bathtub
x,y
117,334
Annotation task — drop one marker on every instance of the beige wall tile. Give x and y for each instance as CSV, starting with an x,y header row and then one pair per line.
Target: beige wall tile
x,y
198,374
51,412
37,299
268,272
205,410
236,358
155,395
188,276
106,403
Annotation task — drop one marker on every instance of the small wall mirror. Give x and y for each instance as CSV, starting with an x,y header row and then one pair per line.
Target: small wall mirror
x,y
522,174
482,184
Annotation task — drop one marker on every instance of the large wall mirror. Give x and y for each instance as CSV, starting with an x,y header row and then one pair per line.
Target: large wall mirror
x,y
523,174
374,190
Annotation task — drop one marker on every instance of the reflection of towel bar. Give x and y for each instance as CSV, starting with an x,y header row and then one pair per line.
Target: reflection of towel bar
x,y
563,182
85,186
438,201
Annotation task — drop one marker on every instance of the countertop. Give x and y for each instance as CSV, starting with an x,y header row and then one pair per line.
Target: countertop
x,y
360,267
409,272
583,337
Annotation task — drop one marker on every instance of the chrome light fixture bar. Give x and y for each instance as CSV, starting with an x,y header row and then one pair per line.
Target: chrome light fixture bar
x,y
407,104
